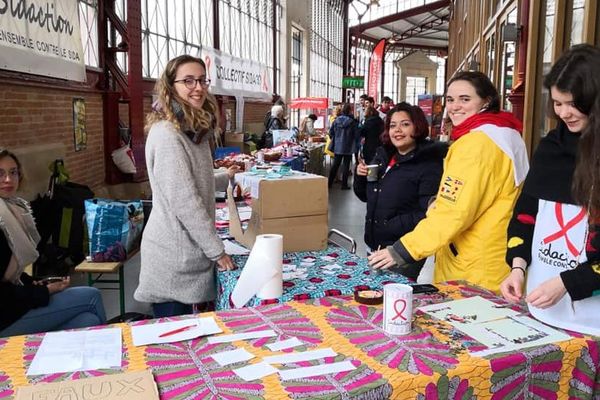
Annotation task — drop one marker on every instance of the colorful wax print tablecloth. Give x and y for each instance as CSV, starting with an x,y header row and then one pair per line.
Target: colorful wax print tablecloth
x,y
432,362
330,272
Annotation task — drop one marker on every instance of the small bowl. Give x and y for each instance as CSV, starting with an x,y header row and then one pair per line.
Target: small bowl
x,y
369,297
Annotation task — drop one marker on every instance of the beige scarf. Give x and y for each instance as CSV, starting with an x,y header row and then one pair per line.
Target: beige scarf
x,y
16,221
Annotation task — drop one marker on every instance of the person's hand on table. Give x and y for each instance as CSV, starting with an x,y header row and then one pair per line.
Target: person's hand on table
x,y
547,294
381,259
361,168
225,263
512,287
231,171
56,287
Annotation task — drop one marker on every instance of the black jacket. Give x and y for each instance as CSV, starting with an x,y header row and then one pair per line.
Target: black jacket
x,y
370,131
398,200
550,178
15,300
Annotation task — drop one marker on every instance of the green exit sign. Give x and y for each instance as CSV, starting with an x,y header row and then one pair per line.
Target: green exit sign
x,y
353,82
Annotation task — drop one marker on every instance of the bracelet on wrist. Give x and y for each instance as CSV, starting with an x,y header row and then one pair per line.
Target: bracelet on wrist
x,y
521,268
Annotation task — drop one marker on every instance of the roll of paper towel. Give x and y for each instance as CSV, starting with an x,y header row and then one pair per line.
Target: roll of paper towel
x,y
262,275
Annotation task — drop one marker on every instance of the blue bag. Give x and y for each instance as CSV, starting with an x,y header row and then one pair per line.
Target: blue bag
x,y
114,228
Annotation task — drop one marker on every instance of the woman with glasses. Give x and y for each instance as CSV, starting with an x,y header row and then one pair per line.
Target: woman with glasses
x,y
180,248
27,305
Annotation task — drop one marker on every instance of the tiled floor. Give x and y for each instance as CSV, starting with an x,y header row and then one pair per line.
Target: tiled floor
x,y
346,213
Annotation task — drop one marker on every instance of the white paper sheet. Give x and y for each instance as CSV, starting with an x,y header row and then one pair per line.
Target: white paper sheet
x,y
323,369
150,334
252,181
241,336
233,249
262,275
302,356
255,371
511,334
78,351
471,310
232,356
285,344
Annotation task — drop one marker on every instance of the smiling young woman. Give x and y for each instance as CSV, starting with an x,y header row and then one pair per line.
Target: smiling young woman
x,y
180,247
408,170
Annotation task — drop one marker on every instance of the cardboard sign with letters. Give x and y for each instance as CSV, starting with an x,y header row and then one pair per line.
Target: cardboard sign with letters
x,y
138,385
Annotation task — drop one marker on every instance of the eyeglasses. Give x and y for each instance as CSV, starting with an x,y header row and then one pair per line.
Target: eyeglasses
x,y
13,173
190,83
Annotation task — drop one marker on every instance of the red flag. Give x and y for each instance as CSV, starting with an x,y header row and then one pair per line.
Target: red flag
x,y
375,69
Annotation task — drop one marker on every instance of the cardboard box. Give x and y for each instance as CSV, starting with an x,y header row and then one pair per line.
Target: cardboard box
x,y
294,208
138,385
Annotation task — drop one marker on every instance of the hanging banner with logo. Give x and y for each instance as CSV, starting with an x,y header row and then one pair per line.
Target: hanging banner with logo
x,y
375,70
41,37
232,76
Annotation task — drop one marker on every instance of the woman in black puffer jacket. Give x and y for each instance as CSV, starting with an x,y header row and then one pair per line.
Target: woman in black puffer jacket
x,y
408,172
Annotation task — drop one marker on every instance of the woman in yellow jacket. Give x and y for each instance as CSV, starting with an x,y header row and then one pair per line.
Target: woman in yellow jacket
x,y
483,172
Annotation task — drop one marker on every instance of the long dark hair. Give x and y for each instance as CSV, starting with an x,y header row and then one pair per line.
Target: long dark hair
x,y
575,72
483,87
417,116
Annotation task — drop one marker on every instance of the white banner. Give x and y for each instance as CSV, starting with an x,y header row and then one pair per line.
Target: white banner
x,y
232,76
41,37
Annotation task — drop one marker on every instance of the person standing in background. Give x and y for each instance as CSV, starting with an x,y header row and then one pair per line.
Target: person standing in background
x,y
370,132
385,106
344,136
180,248
360,113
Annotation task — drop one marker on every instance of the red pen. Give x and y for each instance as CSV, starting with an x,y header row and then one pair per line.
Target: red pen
x,y
178,330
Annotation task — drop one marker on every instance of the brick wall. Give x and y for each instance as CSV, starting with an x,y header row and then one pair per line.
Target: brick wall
x,y
31,116
39,116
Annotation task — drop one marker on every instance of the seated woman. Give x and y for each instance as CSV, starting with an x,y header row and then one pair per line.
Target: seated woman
x,y
408,172
28,306
554,231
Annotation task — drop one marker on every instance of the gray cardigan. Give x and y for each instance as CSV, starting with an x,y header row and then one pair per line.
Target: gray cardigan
x,y
180,244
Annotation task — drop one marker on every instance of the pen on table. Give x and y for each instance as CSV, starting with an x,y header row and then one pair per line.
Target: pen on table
x,y
178,330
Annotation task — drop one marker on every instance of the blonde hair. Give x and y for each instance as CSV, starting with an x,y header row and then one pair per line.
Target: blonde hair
x,y
194,119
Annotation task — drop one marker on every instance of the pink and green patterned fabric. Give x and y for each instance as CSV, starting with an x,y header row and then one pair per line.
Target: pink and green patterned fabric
x,y
431,363
331,272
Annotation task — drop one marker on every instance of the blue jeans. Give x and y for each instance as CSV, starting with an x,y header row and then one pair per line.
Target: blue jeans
x,y
74,307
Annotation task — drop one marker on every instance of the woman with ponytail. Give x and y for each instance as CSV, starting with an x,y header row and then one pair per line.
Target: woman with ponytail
x,y
180,247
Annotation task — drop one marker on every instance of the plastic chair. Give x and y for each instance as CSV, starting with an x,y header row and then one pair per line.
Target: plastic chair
x,y
221,152
347,238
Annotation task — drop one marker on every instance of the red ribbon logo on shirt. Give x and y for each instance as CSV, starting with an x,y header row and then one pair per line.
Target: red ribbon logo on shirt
x,y
564,228
399,313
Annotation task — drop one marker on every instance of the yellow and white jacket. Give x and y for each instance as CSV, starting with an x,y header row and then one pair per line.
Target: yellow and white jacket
x,y
466,227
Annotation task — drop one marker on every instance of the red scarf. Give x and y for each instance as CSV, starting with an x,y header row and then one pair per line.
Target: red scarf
x,y
501,119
